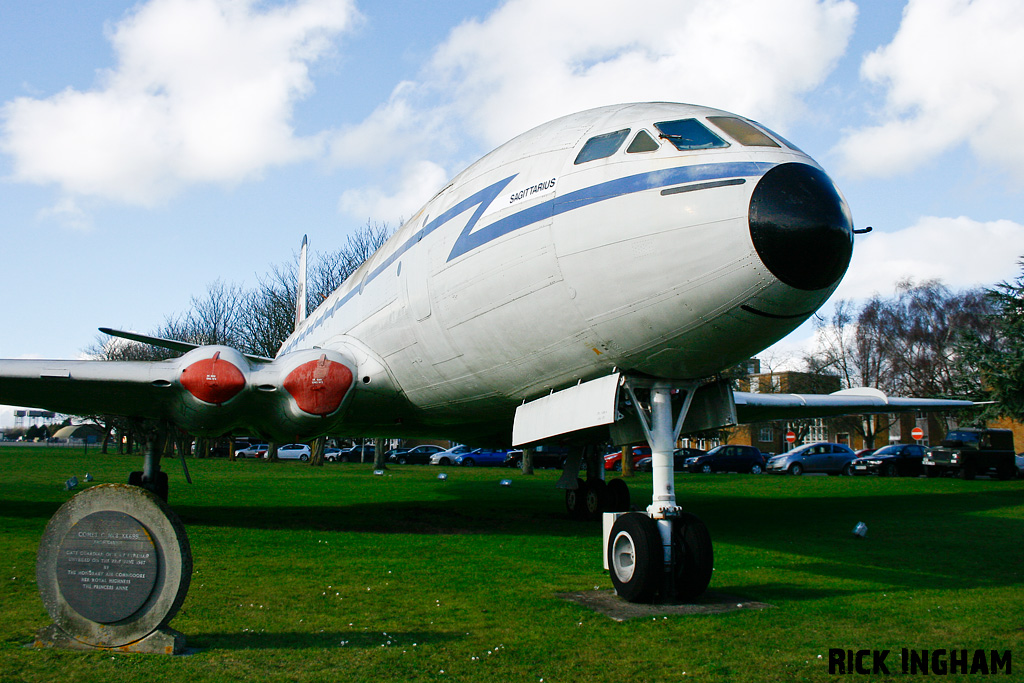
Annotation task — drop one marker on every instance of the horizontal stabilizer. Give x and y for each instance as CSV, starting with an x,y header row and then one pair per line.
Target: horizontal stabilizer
x,y
172,344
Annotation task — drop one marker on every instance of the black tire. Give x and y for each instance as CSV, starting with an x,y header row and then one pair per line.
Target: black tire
x,y
1006,472
401,460
160,487
617,467
966,473
796,469
468,462
932,472
890,470
847,470
694,556
303,457
756,469
595,500
575,499
706,469
343,458
618,496
444,461
635,557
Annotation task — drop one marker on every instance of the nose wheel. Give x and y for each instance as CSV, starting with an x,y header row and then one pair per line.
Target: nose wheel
x,y
637,564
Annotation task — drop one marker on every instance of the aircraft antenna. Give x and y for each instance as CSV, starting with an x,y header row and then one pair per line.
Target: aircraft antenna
x,y
300,294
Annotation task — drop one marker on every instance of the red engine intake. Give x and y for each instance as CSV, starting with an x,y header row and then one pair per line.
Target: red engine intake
x,y
319,386
213,380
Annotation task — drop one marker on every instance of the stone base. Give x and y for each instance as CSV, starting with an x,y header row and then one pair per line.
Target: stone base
x,y
163,641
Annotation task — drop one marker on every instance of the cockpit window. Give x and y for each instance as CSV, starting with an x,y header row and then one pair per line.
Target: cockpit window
x,y
642,142
742,132
687,134
601,146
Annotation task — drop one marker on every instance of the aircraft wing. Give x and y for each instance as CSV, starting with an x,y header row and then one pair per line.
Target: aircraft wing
x,y
129,388
751,407
208,391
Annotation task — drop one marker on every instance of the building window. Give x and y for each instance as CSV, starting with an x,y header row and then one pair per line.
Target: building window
x,y
766,435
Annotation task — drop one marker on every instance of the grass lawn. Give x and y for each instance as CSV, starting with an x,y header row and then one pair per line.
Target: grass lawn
x,y
332,573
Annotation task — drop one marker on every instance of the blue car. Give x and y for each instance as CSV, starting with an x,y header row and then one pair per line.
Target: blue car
x,y
482,457
832,458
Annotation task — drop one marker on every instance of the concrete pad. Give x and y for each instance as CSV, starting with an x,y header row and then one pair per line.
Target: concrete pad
x,y
609,604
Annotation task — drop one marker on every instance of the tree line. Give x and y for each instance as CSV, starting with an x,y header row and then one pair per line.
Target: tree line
x,y
928,341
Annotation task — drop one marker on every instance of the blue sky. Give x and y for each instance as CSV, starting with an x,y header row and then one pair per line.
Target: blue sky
x,y
147,149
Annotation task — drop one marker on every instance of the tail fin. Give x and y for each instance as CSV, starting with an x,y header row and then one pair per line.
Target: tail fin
x,y
300,295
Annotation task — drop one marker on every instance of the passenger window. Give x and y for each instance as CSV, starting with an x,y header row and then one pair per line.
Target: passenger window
x,y
742,132
687,134
643,142
601,146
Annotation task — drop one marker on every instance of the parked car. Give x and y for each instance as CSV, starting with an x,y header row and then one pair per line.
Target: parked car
x,y
727,458
679,457
293,451
420,455
833,458
1020,464
356,453
448,457
331,454
897,460
256,450
968,452
543,456
482,457
392,455
613,461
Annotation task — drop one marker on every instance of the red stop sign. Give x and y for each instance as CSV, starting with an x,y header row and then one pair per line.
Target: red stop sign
x,y
791,437
917,433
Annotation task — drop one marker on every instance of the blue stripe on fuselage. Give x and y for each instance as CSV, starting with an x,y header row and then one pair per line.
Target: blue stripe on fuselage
x,y
469,239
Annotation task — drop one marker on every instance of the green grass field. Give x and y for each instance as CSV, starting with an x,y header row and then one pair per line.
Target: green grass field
x,y
332,573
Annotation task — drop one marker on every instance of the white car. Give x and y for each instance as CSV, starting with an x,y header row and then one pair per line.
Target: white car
x,y
448,457
256,450
294,451
1020,464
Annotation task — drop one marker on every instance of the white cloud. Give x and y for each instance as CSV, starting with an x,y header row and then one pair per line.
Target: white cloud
x,y
203,91
961,252
952,75
531,61
419,182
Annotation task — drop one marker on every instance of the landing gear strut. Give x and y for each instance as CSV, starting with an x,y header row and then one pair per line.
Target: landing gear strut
x,y
665,552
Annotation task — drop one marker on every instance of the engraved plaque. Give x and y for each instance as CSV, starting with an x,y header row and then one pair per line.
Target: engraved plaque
x,y
107,566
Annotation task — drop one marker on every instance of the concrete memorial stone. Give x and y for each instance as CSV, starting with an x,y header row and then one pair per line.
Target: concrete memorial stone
x,y
113,568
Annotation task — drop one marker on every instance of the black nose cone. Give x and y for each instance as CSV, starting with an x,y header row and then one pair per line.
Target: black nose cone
x,y
801,227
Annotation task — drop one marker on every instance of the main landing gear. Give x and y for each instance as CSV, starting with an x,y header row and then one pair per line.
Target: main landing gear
x,y
663,553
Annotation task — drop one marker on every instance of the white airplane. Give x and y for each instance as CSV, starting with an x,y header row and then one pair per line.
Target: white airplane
x,y
586,281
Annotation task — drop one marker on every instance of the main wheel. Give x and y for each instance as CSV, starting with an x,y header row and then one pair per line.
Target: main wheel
x,y
966,472
756,469
303,457
796,469
160,487
618,496
468,462
932,472
847,470
575,499
694,556
445,461
635,557
890,471
595,499
706,469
